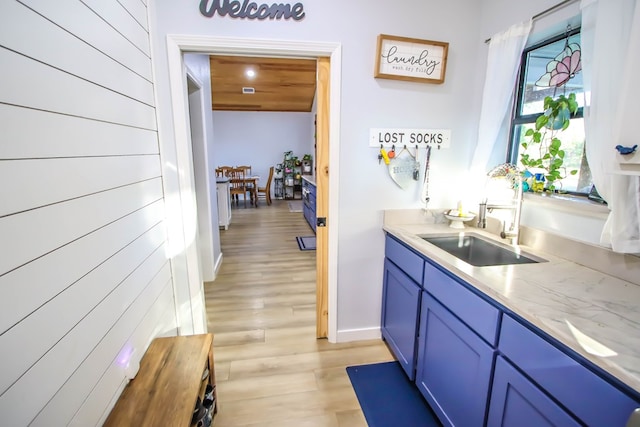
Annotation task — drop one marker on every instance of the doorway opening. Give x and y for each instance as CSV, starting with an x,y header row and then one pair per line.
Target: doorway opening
x,y
329,64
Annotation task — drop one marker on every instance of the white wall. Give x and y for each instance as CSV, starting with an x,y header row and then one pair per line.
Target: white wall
x,y
498,15
205,156
260,139
365,188
85,280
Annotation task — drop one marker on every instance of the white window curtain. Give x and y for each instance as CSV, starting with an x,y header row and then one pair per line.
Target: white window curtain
x,y
610,45
505,50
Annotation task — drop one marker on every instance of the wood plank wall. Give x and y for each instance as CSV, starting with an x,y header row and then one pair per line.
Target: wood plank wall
x,y
85,283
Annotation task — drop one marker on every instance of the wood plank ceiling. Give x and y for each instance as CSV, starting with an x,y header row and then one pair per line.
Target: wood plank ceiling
x,y
280,84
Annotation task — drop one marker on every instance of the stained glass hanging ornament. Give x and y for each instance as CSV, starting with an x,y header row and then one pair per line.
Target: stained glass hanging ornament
x,y
563,67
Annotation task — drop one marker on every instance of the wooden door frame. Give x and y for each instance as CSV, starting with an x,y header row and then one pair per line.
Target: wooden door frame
x,y
326,254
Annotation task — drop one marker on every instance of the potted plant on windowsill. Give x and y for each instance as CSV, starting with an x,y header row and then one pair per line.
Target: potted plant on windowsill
x,y
549,156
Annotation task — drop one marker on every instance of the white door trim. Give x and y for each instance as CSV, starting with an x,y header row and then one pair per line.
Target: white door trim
x,y
178,44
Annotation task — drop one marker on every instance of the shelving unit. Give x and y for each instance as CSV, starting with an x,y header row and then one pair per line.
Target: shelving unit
x,y
278,188
174,373
288,181
291,174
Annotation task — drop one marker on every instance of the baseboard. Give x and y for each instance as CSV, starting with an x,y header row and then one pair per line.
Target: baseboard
x,y
216,268
349,335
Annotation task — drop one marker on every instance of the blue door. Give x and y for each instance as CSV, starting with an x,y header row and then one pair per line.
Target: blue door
x,y
454,366
400,311
517,402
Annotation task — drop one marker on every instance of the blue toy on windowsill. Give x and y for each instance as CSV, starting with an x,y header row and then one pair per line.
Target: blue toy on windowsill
x,y
626,150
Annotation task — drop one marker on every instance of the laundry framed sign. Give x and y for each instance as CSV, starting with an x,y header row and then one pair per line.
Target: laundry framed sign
x,y
415,60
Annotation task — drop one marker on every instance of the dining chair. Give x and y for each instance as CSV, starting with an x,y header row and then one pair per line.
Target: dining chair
x,y
247,169
266,190
248,185
237,185
226,170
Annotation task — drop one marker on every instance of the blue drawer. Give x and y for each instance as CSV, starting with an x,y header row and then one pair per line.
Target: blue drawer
x,y
475,312
408,261
593,400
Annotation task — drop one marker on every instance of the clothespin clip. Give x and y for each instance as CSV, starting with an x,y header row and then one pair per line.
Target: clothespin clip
x,y
384,155
392,152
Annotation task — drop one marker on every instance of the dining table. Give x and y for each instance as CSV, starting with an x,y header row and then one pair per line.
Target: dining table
x,y
250,183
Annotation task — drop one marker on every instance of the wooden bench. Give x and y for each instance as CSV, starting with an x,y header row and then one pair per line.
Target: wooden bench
x,y
173,374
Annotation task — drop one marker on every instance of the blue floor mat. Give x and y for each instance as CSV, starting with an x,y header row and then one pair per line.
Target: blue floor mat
x,y
306,243
388,398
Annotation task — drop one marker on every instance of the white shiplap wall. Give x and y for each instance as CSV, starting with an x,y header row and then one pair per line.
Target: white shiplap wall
x,y
85,282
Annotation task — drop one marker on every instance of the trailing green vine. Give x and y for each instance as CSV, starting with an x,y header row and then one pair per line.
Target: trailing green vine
x,y
548,126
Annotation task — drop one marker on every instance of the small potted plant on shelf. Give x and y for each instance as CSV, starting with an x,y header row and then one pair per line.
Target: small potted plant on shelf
x,y
306,164
549,158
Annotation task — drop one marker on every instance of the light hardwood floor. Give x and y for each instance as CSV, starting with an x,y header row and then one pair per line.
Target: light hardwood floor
x,y
271,371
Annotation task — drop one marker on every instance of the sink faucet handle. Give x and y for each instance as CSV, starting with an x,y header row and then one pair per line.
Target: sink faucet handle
x,y
482,214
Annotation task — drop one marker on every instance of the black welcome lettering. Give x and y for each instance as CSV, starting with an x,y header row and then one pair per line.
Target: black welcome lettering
x,y
209,10
263,12
250,10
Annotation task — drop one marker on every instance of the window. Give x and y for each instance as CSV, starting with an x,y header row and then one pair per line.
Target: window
x,y
534,85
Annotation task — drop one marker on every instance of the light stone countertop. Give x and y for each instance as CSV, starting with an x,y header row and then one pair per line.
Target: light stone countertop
x,y
594,314
310,178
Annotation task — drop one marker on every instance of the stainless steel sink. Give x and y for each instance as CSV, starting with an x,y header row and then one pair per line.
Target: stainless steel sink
x,y
480,252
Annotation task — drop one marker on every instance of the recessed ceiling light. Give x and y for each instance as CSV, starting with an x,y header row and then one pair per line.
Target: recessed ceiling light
x,y
250,73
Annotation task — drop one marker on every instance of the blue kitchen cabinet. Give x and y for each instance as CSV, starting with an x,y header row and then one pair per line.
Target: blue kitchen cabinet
x,y
400,310
454,366
401,302
583,392
474,311
517,402
478,364
309,203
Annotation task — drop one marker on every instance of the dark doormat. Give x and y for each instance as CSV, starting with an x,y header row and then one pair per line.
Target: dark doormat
x,y
388,398
306,243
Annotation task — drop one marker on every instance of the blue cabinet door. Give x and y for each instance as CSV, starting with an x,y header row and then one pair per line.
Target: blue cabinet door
x,y
592,399
517,402
309,215
309,203
312,210
454,366
400,311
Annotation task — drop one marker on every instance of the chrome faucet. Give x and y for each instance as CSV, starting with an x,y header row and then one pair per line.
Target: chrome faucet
x,y
511,173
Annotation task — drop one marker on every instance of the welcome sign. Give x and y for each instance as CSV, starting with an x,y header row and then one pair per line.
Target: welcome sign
x,y
247,9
